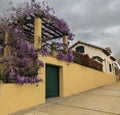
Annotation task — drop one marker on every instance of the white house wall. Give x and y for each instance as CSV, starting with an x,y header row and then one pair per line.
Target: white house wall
x,y
92,51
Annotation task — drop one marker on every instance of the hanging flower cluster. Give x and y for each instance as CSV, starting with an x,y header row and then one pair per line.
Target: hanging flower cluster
x,y
62,25
22,63
1,48
66,56
44,52
58,44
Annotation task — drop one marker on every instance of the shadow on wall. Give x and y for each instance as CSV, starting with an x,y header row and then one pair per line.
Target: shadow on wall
x,y
0,87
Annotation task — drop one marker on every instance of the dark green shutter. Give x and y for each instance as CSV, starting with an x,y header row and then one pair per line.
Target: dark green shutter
x,y
52,81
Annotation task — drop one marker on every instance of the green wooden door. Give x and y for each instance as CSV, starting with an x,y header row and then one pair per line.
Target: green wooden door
x,y
52,81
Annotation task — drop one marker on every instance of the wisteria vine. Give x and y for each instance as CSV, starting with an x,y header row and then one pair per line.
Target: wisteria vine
x,y
22,62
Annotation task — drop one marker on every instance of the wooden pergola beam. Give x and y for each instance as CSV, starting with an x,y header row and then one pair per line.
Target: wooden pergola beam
x,y
52,28
55,28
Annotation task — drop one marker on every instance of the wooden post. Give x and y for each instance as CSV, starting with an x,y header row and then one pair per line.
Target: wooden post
x,y
65,40
7,47
37,33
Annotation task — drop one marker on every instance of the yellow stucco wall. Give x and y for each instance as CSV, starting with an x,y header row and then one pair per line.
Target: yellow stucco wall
x,y
74,79
16,97
78,79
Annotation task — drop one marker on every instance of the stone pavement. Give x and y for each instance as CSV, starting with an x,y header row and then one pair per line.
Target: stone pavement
x,y
100,101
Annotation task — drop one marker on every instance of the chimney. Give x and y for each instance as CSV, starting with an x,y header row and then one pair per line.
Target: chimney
x,y
108,49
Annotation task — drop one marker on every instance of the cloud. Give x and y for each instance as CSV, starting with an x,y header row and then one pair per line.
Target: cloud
x,y
94,21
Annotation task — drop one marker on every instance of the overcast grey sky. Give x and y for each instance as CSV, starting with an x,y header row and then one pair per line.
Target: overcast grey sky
x,y
93,21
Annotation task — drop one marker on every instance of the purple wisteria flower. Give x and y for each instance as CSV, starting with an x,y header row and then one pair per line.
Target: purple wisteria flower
x,y
33,0
22,80
1,48
27,13
58,44
68,56
26,60
11,72
41,64
44,52
16,31
22,61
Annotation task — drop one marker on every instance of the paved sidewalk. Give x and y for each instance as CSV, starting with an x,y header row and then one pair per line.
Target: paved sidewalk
x,y
101,101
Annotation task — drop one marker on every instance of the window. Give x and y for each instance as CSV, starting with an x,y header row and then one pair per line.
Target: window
x,y
98,58
80,49
110,67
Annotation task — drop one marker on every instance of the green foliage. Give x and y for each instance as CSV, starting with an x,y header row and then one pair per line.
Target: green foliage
x,y
3,77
